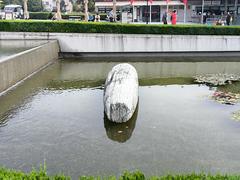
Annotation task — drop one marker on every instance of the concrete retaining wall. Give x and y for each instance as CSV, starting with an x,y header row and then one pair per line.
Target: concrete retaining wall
x,y
13,43
87,43
19,66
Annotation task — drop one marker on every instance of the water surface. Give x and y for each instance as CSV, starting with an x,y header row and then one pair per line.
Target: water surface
x,y
57,117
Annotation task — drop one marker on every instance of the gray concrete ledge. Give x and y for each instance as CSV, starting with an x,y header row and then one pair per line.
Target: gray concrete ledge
x,y
15,43
154,56
90,42
19,66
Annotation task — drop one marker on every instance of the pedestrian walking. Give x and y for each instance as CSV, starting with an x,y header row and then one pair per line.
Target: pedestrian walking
x,y
174,17
97,18
164,18
228,18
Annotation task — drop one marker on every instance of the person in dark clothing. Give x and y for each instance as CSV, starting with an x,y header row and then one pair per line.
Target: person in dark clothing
x,y
204,18
164,18
228,18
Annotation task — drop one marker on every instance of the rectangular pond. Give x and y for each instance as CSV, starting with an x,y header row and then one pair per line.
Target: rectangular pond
x,y
57,117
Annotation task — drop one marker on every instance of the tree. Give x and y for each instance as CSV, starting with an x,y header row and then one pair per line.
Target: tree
x,y
114,10
86,10
62,6
1,4
6,2
91,5
26,14
35,5
79,5
58,13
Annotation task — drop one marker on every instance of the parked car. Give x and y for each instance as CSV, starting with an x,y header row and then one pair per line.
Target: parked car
x,y
12,11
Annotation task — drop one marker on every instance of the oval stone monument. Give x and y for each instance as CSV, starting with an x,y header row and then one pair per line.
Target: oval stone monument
x,y
121,93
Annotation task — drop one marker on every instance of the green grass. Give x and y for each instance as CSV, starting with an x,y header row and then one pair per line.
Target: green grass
x,y
41,174
117,28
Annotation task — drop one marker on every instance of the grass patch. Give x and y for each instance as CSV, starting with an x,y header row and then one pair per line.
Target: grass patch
x,y
41,174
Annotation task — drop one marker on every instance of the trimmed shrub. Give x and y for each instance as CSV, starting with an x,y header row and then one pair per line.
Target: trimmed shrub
x,y
40,15
117,28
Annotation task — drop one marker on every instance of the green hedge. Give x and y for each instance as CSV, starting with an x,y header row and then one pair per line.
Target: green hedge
x,y
7,174
118,28
40,15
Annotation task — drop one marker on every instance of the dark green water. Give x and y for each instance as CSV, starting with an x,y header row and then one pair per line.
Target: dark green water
x,y
57,117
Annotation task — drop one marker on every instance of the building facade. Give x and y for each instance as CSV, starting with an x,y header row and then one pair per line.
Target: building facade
x,y
142,11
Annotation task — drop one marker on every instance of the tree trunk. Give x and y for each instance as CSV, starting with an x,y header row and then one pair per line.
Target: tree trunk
x,y
235,9
114,10
25,14
58,14
86,10
121,93
226,5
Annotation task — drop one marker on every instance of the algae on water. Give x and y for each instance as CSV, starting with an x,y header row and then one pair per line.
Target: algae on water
x,y
217,79
226,97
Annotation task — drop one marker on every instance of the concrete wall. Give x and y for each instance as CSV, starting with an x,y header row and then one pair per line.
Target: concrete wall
x,y
19,66
76,42
13,43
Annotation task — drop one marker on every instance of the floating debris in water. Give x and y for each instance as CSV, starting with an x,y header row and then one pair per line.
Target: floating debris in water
x,y
226,97
236,115
217,79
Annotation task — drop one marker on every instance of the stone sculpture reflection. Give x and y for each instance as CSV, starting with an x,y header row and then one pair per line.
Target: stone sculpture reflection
x,y
120,132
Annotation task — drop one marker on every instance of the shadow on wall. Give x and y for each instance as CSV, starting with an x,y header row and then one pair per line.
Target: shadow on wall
x,y
120,132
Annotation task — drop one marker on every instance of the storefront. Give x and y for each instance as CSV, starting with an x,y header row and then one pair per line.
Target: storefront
x,y
217,7
141,11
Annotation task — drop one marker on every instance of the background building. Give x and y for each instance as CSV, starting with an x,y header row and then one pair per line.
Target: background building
x,y
156,9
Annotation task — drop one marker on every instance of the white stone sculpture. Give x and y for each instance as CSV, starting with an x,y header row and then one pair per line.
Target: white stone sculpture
x,y
121,93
